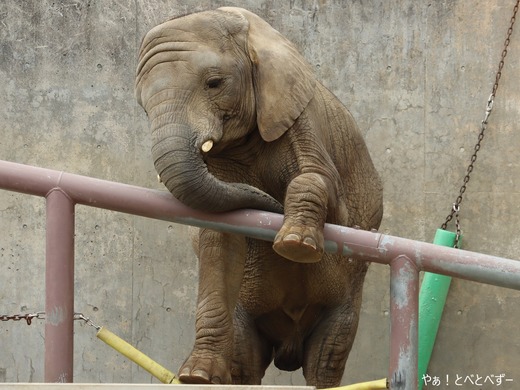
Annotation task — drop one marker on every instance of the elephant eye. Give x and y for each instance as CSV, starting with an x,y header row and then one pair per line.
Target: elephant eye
x,y
214,82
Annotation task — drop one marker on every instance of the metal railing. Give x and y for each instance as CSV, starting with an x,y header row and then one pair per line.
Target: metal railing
x,y
406,258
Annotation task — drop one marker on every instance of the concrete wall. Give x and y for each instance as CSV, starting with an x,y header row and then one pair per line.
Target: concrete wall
x,y
415,74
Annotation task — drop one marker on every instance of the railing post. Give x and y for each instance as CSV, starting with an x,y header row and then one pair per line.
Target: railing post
x,y
59,287
404,290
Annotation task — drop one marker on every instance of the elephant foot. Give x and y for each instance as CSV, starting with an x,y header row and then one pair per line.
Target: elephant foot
x,y
299,244
207,370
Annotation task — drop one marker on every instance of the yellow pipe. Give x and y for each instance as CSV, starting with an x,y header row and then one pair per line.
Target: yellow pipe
x,y
137,356
380,384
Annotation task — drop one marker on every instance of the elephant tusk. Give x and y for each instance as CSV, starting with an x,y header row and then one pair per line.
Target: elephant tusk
x,y
159,179
206,146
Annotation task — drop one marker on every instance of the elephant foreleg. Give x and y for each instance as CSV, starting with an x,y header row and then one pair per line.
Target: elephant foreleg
x,y
221,268
306,202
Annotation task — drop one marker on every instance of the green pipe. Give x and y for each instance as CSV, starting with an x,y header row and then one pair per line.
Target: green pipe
x,y
432,297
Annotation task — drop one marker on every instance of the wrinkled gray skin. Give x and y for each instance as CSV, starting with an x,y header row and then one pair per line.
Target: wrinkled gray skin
x,y
283,143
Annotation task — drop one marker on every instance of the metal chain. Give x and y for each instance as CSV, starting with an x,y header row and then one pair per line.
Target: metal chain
x,y
483,126
458,231
27,317
41,316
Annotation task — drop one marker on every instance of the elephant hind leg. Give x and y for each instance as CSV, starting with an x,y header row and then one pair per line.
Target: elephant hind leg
x,y
252,354
328,347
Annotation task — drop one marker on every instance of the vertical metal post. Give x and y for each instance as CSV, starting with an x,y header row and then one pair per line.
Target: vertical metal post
x,y
404,288
59,287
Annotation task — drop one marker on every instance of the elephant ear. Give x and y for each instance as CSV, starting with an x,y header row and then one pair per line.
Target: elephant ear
x,y
284,82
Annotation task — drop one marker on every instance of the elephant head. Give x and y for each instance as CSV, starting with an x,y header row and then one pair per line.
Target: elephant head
x,y
207,81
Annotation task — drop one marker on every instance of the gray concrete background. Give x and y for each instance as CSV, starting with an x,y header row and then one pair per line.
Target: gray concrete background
x,y
416,76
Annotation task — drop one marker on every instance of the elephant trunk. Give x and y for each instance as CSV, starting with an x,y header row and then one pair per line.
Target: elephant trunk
x,y
180,164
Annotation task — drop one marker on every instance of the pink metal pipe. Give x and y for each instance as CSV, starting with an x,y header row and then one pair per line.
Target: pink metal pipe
x,y
359,244
404,311
59,287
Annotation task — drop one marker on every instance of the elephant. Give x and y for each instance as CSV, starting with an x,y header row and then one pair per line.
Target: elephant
x,y
239,120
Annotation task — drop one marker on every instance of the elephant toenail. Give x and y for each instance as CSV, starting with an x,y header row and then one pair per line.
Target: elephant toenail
x,y
310,242
292,237
216,380
201,374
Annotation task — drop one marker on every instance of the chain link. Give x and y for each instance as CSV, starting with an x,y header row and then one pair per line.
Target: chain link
x,y
41,316
18,317
483,126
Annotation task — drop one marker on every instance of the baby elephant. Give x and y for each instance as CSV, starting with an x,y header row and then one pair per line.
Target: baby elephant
x,y
238,120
